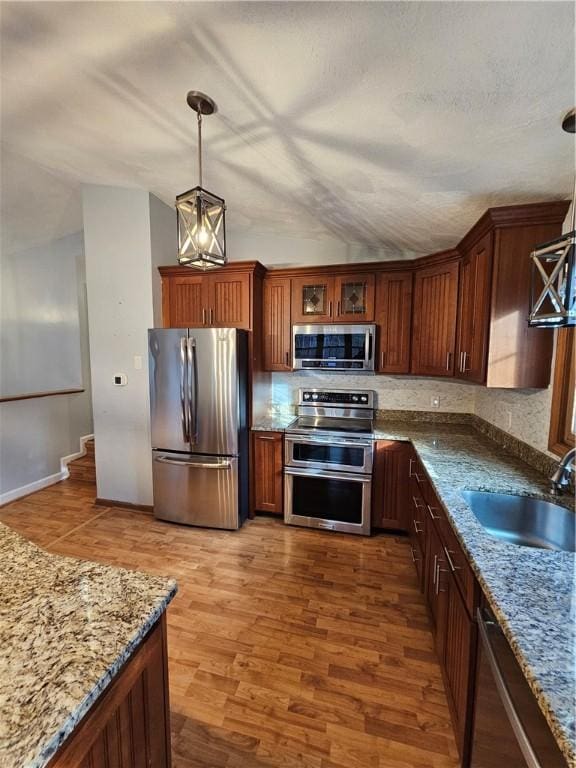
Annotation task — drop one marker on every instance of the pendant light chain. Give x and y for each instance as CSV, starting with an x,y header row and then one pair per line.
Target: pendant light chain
x,y
200,147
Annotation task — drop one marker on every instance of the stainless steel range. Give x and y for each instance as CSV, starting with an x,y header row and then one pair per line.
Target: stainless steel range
x,y
328,461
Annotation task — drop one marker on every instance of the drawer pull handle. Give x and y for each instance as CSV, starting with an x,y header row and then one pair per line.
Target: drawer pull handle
x,y
438,572
416,524
418,506
432,515
414,558
450,563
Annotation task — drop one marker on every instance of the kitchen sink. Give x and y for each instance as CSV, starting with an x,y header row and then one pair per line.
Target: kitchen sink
x,y
524,521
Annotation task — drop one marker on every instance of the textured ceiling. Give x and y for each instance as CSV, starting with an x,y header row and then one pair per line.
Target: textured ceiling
x,y
390,125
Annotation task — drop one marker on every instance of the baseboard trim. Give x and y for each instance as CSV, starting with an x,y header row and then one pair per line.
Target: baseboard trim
x,y
147,508
65,460
37,485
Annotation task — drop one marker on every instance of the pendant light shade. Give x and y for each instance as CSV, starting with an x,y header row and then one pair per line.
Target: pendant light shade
x,y
553,281
201,214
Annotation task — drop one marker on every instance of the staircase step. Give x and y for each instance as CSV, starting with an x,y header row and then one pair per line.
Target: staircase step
x,y
83,468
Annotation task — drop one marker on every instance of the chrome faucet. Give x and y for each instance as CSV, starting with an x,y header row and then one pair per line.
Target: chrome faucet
x,y
563,475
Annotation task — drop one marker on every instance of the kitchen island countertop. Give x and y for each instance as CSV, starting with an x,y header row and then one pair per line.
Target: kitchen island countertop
x,y
67,627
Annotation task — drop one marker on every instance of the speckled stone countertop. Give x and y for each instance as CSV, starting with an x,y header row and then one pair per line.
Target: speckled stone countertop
x,y
274,423
531,591
66,629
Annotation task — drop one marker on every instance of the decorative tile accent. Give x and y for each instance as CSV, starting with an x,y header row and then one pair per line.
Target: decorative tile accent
x,y
67,627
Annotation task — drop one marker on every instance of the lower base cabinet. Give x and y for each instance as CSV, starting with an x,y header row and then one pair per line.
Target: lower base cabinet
x,y
267,471
390,491
452,595
129,725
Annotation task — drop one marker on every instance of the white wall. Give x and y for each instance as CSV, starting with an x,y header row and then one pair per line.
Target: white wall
x,y
164,248
282,251
35,434
120,242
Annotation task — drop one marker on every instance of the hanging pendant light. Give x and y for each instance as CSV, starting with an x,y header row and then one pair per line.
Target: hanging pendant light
x,y
201,215
553,281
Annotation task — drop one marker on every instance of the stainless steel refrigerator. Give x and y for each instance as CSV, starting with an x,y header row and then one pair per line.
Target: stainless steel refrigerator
x,y
198,402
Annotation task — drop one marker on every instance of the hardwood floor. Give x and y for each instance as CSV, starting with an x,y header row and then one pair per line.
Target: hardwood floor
x,y
288,647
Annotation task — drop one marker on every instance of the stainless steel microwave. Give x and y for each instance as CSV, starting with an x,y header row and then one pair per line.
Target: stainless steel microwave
x,y
344,347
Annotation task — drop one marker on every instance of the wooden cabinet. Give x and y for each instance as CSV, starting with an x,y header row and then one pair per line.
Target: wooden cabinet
x,y
129,724
457,656
390,486
474,311
329,298
267,471
229,300
277,330
393,316
452,595
185,301
220,299
434,319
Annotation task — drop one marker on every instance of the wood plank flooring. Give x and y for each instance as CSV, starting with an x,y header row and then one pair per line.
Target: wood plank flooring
x,y
289,648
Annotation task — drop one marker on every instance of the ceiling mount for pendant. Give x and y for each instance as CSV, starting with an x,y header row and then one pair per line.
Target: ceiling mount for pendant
x,y
201,103
553,280
201,214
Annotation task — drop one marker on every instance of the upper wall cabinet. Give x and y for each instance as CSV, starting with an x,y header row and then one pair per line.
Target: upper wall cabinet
x,y
393,317
223,298
495,346
474,311
434,319
277,337
326,298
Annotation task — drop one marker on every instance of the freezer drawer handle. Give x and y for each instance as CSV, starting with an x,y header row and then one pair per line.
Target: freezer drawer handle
x,y
196,464
523,741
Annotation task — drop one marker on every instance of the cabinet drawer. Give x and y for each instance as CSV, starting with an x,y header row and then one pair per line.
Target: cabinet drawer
x,y
459,566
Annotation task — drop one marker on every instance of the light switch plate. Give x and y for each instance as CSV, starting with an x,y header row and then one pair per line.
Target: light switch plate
x,y
137,362
435,401
120,380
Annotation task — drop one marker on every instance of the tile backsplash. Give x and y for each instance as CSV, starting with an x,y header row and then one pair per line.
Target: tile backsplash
x,y
525,414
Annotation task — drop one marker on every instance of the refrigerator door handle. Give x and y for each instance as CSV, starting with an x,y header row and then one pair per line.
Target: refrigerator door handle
x,y
192,392
183,367
196,464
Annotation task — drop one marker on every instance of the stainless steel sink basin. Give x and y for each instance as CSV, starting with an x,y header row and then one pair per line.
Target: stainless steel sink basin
x,y
525,521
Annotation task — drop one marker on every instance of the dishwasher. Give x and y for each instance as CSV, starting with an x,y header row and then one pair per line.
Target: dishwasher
x,y
509,727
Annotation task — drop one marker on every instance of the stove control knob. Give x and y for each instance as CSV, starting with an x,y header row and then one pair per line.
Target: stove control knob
x,y
307,396
364,398
314,396
354,398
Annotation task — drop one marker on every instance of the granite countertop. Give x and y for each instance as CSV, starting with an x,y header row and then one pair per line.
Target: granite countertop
x,y
531,591
274,423
67,627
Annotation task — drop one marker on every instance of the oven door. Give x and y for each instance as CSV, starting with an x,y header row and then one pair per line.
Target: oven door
x,y
332,454
334,500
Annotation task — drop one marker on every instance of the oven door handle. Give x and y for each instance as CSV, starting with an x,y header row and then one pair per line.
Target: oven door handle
x,y
330,441
354,478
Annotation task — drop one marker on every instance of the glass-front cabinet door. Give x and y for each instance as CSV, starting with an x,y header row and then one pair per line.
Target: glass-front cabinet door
x,y
312,299
345,298
354,297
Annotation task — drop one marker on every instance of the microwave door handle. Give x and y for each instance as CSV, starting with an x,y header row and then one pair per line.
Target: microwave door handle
x,y
183,403
368,353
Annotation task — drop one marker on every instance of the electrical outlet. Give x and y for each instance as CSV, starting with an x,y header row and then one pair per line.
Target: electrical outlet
x,y
435,401
137,362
